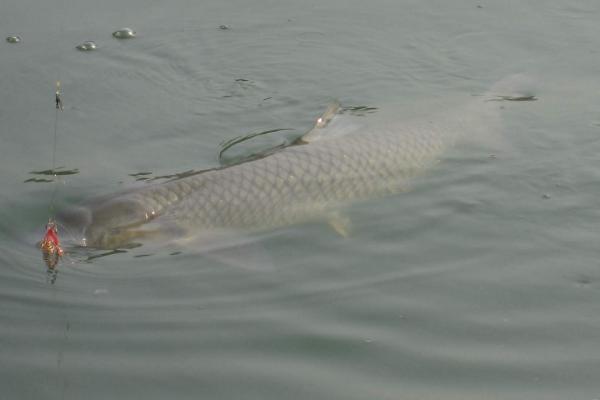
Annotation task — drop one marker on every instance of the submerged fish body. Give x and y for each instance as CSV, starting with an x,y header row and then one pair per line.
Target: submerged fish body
x,y
342,160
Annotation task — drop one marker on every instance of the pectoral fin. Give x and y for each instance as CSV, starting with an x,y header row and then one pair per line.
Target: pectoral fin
x,y
316,132
340,223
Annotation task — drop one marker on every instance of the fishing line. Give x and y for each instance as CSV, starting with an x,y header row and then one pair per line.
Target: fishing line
x,y
58,100
50,244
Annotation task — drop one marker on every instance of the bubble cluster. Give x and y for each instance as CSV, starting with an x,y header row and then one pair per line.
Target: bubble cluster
x,y
87,46
13,39
124,33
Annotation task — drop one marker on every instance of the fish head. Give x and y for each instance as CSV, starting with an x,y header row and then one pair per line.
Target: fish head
x,y
108,224
71,222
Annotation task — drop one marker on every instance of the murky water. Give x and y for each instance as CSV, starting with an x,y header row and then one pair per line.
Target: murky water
x,y
481,281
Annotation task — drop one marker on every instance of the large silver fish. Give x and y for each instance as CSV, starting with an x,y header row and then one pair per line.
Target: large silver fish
x,y
342,159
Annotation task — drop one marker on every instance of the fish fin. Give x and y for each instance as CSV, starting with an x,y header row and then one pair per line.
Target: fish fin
x,y
228,247
317,133
491,137
340,223
517,87
249,256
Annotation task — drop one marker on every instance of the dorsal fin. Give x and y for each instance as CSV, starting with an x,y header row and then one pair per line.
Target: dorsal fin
x,y
316,132
329,125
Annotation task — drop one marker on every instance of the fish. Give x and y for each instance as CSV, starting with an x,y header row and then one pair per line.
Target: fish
x,y
342,160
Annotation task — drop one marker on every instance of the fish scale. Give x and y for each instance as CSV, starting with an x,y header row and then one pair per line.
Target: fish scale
x,y
298,183
304,182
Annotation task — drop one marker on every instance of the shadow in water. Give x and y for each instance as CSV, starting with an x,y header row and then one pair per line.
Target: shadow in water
x,y
51,172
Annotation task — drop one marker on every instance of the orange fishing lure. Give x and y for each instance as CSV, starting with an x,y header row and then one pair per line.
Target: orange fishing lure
x,y
50,245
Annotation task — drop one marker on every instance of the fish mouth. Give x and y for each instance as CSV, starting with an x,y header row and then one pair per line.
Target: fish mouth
x,y
72,224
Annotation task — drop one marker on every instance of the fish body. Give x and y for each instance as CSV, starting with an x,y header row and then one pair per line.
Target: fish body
x,y
343,159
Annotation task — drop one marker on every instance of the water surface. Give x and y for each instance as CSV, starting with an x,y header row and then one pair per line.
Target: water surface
x,y
480,282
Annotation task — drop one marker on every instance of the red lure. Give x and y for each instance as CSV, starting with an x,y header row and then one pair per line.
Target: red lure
x,y
50,245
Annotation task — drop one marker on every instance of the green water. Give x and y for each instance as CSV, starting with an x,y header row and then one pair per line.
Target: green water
x,y
480,282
